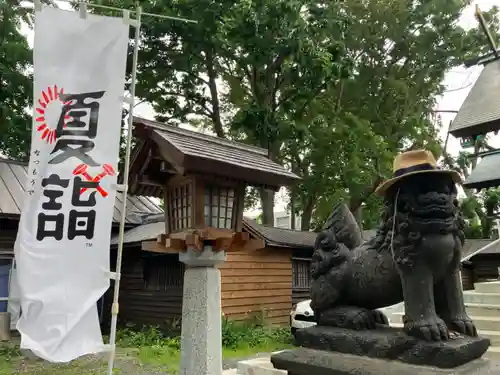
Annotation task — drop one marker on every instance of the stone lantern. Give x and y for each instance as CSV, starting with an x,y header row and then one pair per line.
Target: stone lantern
x,y
202,181
200,208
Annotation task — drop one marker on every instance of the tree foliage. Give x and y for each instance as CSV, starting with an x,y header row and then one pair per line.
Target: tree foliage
x,y
16,89
16,85
400,54
247,69
332,89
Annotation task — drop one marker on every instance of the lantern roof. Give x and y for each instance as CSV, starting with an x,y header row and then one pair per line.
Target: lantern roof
x,y
190,152
480,112
486,174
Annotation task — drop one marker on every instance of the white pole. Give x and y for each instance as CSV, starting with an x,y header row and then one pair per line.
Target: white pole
x,y
115,307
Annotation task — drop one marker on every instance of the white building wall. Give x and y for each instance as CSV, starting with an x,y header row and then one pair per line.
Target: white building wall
x,y
283,219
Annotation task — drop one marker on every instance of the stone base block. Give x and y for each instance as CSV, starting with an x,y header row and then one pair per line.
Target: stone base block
x,y
393,344
303,361
259,366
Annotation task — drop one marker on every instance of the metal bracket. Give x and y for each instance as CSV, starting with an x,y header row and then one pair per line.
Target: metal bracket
x,y
127,20
128,99
482,154
83,10
126,17
121,187
114,276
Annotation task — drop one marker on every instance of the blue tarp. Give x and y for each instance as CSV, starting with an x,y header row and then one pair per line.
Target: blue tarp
x,y
4,285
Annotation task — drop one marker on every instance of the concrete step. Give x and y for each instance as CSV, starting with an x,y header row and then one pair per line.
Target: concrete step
x,y
486,323
488,287
258,366
493,353
483,298
481,309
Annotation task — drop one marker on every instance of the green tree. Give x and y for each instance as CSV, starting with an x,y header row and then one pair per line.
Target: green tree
x,y
480,211
247,69
400,52
333,89
16,89
16,86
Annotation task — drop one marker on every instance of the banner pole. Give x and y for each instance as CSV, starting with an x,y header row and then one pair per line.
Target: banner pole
x,y
115,306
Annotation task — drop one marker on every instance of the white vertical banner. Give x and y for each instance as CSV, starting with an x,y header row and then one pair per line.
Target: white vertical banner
x,y
62,247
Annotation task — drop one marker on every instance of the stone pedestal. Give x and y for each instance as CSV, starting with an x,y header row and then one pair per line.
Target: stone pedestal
x,y
201,337
303,361
393,344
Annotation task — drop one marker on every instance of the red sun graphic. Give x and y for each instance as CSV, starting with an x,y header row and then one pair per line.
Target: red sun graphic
x,y
49,97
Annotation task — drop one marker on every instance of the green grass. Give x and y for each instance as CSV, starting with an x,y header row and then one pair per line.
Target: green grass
x,y
168,359
151,349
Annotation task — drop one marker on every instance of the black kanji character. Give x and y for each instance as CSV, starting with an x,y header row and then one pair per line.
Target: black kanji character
x,y
33,182
76,109
80,152
31,192
37,152
57,232
78,185
55,180
35,172
81,223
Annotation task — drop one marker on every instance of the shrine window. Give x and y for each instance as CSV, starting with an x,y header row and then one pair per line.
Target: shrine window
x,y
180,207
219,207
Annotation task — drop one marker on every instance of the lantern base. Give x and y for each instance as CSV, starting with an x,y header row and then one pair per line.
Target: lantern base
x,y
201,337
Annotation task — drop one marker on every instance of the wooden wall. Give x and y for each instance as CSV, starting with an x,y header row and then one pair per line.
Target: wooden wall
x,y
150,288
256,283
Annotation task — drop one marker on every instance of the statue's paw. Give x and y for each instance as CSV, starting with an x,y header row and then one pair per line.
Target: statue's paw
x,y
348,317
433,329
463,324
358,321
362,319
379,317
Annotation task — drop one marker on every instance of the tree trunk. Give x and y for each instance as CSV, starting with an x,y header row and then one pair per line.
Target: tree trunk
x,y
307,213
292,209
267,202
358,215
214,95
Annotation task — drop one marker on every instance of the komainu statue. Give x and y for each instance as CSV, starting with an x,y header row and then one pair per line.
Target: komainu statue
x,y
415,257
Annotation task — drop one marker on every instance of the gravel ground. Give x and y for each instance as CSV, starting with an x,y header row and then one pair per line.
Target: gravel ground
x,y
126,364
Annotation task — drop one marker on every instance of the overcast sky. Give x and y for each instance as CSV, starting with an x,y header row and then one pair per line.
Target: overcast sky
x,y
458,83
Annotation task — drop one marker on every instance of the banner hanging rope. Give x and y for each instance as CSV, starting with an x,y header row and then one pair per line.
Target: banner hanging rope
x,y
108,7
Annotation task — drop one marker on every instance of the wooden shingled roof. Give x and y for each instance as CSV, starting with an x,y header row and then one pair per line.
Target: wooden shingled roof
x,y
190,152
486,174
278,237
480,112
13,182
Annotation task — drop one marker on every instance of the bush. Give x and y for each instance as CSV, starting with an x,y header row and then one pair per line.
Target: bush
x,y
235,335
252,334
147,336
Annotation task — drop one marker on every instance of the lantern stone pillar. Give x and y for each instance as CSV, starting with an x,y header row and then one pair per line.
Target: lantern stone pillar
x,y
201,336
